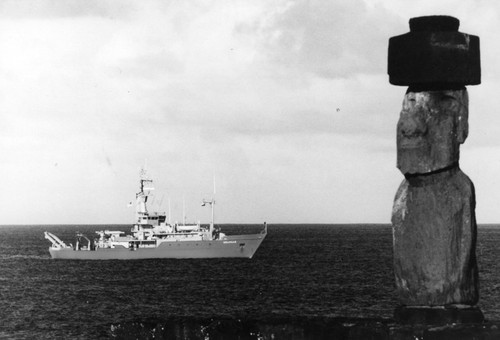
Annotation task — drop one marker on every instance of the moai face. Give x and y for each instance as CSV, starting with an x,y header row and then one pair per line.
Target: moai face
x,y
431,127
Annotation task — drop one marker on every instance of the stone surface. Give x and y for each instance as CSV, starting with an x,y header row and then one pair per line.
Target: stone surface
x,y
434,23
434,235
296,328
434,52
431,127
434,225
441,315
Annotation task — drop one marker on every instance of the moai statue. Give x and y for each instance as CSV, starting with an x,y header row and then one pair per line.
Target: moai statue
x,y
433,217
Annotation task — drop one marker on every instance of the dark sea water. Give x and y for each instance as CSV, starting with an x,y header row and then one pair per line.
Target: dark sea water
x,y
299,270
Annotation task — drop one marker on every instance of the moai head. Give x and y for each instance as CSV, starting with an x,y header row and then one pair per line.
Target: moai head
x,y
435,61
431,127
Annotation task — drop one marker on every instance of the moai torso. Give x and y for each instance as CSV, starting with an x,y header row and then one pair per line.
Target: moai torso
x,y
434,239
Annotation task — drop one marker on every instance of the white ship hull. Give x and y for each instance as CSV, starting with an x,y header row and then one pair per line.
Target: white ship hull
x,y
155,238
233,246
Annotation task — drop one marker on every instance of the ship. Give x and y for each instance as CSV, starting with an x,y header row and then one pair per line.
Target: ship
x,y
153,237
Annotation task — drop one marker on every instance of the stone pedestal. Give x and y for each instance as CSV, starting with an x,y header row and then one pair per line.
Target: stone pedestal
x,y
440,315
304,328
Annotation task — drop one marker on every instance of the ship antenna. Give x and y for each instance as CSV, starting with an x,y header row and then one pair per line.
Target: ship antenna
x,y
213,206
169,215
184,209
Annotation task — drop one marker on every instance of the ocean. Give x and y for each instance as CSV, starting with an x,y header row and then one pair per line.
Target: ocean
x,y
299,270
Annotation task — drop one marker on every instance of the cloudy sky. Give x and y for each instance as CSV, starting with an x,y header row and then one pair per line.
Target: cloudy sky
x,y
286,103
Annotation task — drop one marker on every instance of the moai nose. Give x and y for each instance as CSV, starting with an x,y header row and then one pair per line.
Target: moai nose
x,y
413,125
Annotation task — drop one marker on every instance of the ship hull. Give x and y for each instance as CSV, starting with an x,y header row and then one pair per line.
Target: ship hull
x,y
243,246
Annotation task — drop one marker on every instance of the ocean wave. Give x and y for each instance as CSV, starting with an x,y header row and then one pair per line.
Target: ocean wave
x,y
30,257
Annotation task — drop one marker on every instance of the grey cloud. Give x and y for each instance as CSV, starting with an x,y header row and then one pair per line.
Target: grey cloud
x,y
64,8
229,125
310,122
299,122
328,38
153,65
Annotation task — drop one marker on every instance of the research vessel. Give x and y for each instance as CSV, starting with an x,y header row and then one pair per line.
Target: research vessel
x,y
152,236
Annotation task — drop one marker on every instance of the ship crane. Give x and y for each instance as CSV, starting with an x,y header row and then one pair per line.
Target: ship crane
x,y
56,241
79,237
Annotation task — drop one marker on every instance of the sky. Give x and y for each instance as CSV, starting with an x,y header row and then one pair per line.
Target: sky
x,y
287,104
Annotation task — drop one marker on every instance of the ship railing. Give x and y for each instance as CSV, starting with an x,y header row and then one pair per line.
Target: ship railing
x,y
56,241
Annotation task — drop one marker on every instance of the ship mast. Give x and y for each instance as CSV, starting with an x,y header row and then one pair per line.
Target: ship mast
x,y
212,204
146,186
169,214
183,210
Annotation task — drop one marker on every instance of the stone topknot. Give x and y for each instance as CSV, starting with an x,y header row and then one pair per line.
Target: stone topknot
x,y
434,23
434,54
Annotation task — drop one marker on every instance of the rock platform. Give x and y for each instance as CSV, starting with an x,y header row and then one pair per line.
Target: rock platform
x,y
291,328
